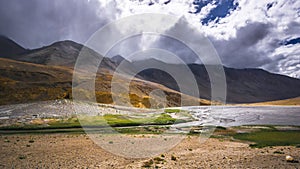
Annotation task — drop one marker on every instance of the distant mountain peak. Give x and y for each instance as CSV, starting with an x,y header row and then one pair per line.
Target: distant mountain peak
x,y
66,43
65,46
4,37
61,53
148,60
118,59
9,48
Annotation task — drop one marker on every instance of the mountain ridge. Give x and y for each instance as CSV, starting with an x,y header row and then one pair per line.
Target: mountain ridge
x,y
10,48
247,85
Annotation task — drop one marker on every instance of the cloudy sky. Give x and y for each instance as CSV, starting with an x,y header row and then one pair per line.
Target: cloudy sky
x,y
246,33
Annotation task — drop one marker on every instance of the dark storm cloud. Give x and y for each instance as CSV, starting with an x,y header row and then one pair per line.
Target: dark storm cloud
x,y
177,47
181,47
242,50
239,52
34,23
180,50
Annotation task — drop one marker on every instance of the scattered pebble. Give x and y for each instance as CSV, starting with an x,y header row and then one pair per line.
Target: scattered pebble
x,y
289,158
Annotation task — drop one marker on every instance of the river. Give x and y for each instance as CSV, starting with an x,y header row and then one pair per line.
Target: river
x,y
242,115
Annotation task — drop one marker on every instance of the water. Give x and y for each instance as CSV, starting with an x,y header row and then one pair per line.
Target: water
x,y
218,115
241,115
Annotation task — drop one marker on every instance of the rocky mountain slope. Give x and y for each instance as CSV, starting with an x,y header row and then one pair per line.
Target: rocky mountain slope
x,y
22,82
46,73
243,85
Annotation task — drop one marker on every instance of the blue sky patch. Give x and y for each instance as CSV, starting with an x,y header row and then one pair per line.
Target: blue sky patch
x,y
199,4
223,8
292,41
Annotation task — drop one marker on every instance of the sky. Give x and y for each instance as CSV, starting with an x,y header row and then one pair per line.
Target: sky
x,y
245,33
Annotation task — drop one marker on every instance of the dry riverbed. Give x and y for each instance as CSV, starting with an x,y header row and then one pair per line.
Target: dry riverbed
x,y
78,151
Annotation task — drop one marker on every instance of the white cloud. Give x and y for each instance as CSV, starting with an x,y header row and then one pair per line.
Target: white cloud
x,y
289,62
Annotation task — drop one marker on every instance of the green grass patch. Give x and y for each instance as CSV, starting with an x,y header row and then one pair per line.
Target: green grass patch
x,y
172,110
271,138
164,119
141,130
65,123
116,120
113,120
122,120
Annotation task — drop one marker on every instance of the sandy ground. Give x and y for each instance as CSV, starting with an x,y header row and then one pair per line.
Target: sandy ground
x,y
78,151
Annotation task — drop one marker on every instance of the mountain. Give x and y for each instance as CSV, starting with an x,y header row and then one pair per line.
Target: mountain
x,y
118,59
243,85
257,85
22,82
9,48
291,102
63,53
46,73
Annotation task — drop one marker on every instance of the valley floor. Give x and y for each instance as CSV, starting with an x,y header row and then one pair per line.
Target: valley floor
x,y
78,151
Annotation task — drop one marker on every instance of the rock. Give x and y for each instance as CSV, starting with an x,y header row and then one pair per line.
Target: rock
x,y
289,158
173,158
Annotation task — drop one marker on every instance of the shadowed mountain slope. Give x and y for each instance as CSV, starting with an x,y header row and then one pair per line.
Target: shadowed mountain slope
x,y
243,85
9,48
